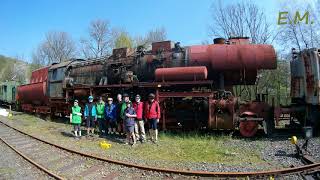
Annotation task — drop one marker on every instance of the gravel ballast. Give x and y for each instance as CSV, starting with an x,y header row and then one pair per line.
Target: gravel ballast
x,y
13,166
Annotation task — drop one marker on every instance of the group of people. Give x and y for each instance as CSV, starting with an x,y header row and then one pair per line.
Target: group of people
x,y
122,116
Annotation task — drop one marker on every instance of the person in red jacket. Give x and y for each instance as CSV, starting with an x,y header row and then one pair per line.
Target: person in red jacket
x,y
152,114
139,123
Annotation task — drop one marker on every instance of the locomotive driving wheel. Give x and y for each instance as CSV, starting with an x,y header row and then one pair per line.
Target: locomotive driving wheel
x,y
248,128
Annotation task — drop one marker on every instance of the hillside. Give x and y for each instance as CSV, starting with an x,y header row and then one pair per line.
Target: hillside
x,y
13,69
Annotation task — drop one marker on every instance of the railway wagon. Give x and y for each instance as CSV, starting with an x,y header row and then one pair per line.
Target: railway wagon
x,y
304,91
8,93
193,84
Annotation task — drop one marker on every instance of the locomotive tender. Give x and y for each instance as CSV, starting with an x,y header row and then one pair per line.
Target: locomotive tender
x,y
193,84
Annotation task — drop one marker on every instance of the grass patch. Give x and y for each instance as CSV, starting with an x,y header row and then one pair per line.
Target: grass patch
x,y
192,148
172,147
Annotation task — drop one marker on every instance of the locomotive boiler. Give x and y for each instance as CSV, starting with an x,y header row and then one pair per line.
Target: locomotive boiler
x,y
193,84
225,64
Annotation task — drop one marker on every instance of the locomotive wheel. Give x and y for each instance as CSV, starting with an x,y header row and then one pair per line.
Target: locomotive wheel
x,y
248,128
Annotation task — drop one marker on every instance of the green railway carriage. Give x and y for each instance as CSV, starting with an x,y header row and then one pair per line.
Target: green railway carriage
x,y
8,92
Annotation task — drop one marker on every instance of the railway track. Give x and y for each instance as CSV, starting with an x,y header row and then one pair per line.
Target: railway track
x,y
63,163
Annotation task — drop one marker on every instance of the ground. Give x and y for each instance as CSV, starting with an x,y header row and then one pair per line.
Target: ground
x,y
12,166
189,151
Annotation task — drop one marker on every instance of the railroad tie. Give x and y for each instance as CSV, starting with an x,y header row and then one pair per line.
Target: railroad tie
x,y
24,146
32,150
55,161
15,139
71,165
110,176
90,170
21,143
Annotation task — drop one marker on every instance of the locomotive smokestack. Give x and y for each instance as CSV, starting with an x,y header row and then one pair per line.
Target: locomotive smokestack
x,y
219,41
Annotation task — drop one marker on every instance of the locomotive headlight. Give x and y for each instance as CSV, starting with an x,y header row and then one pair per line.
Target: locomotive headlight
x,y
293,140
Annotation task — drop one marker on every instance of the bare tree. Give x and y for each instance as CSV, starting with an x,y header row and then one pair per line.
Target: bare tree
x,y
157,34
300,34
154,35
244,19
99,42
57,47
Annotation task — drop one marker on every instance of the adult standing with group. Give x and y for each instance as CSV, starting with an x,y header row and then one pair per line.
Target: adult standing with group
x,y
139,121
130,117
152,114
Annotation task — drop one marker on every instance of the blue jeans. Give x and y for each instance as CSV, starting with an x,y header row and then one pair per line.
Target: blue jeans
x,y
153,124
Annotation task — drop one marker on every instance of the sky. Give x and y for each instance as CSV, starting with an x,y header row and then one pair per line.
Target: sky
x,y
23,24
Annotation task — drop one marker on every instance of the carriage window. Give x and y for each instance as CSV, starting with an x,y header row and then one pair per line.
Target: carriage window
x,y
54,74
13,93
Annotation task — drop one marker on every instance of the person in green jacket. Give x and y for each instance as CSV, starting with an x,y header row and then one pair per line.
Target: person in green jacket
x,y
75,119
100,117
123,107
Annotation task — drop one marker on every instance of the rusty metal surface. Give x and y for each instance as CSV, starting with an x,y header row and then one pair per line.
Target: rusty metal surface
x,y
87,74
233,57
121,52
33,93
239,40
181,73
36,91
311,59
221,113
39,75
305,76
162,46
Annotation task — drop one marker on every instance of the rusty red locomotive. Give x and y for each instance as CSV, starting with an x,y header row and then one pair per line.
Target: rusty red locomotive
x,y
193,84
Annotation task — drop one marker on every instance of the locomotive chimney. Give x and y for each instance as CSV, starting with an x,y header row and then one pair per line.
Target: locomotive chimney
x,y
219,41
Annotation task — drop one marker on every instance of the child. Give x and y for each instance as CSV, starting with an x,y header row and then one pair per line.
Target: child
x,y
130,115
75,119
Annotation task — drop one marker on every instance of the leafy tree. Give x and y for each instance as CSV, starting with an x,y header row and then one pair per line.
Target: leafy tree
x,y
123,40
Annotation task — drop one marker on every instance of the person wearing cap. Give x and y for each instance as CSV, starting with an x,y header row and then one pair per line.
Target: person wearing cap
x,y
75,118
90,114
152,114
139,123
123,107
111,116
100,117
130,115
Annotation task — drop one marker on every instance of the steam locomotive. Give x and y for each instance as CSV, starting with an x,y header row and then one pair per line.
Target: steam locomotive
x,y
193,84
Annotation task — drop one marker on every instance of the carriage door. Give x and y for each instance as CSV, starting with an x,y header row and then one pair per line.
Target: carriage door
x,y
4,93
13,94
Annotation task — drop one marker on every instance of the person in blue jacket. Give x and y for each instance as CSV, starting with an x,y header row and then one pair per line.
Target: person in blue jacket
x,y
90,115
111,116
